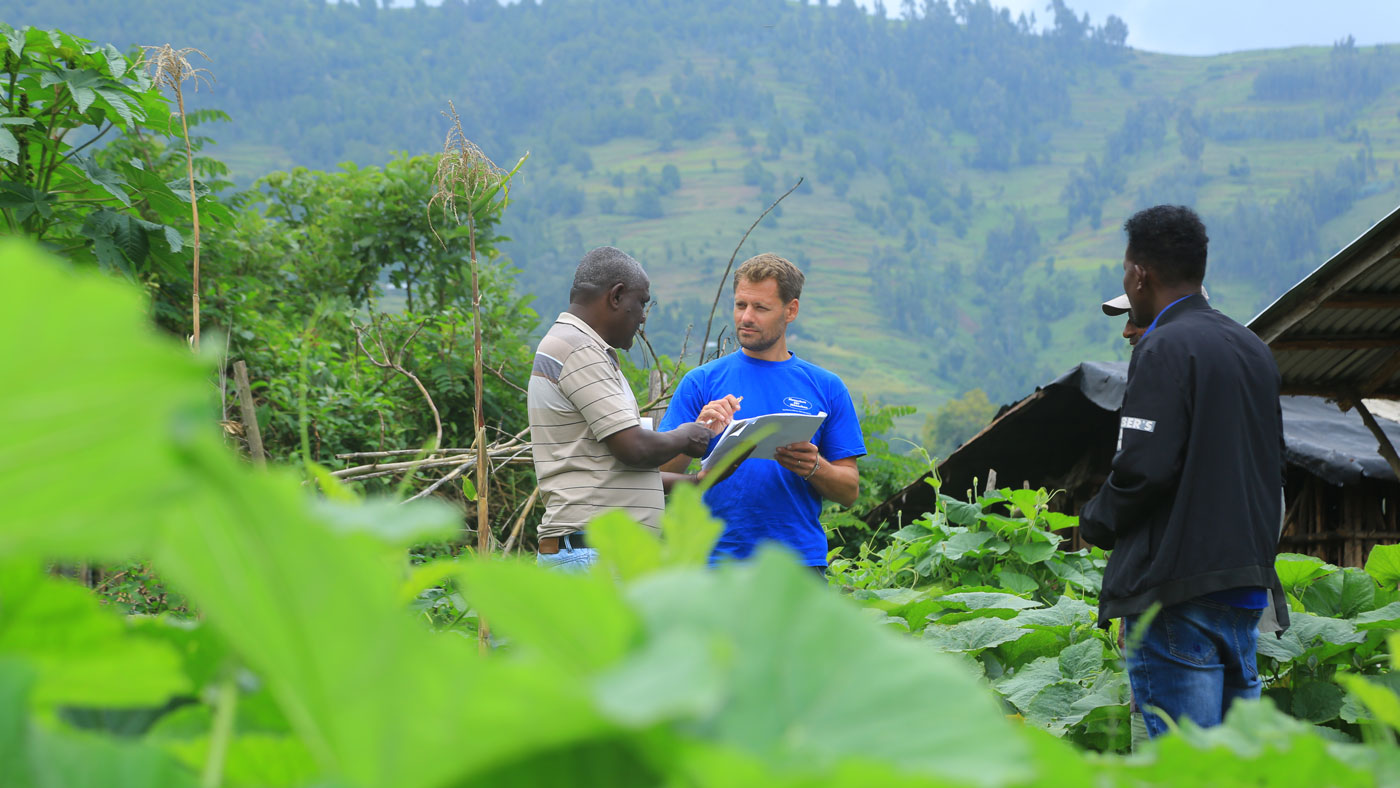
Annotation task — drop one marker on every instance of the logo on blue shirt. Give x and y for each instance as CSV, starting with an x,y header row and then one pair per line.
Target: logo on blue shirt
x,y
797,403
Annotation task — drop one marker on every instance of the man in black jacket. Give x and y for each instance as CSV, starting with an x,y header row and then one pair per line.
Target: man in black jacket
x,y
1191,507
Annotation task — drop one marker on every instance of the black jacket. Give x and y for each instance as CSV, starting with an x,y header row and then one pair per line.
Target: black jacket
x,y
1192,503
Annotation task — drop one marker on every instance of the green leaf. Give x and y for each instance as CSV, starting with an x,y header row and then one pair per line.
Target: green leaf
x,y
468,488
644,689
16,678
1067,612
15,39
960,513
1017,583
392,523
116,61
960,544
1035,553
112,182
523,602
1025,683
688,531
151,391
790,709
977,600
1317,701
1054,703
1387,617
24,201
624,545
975,635
83,653
1038,642
1381,701
1341,594
181,189
1082,660
9,146
1296,571
1384,564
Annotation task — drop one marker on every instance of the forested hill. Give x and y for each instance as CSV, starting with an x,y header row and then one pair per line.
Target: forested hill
x,y
965,175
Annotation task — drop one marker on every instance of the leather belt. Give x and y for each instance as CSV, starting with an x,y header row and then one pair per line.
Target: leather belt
x,y
550,545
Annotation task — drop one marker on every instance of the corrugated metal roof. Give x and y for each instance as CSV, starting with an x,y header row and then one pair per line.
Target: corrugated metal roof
x,y
1337,332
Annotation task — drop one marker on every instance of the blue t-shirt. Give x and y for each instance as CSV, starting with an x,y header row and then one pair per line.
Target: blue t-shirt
x,y
763,501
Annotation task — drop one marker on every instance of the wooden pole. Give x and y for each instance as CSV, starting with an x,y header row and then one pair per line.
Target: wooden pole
x,y
250,414
1387,448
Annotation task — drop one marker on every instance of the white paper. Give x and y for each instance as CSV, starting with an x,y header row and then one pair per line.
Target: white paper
x,y
791,428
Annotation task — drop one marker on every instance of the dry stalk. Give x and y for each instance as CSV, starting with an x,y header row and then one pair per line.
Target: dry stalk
x,y
520,523
394,361
171,68
464,173
720,290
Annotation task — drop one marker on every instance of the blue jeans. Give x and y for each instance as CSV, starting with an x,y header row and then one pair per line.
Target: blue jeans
x,y
1195,659
574,560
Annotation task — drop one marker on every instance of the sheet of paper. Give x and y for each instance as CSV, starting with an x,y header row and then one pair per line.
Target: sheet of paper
x,y
790,428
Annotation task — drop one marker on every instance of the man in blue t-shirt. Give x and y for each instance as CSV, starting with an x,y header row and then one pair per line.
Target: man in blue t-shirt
x,y
773,500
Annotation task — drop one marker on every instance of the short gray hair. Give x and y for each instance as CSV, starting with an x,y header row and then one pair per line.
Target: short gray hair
x,y
602,268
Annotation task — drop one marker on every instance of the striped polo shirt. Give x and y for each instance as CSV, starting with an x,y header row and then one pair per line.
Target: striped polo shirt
x,y
577,398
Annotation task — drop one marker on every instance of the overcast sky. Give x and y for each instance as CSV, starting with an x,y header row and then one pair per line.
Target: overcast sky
x,y
1210,27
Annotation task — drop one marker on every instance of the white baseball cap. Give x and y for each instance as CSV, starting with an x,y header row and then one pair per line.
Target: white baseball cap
x,y
1114,307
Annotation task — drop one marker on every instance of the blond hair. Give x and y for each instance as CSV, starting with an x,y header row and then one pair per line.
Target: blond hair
x,y
762,267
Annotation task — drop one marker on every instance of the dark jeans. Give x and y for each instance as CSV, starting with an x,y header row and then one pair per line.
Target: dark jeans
x,y
1195,659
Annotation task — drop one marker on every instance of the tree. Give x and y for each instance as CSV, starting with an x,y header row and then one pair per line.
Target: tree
x,y
114,208
959,419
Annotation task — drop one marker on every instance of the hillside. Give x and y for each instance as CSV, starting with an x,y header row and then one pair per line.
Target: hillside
x,y
965,177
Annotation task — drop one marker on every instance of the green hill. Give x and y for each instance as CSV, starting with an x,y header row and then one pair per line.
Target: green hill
x,y
965,176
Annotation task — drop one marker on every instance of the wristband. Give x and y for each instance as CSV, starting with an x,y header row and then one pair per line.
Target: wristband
x,y
813,472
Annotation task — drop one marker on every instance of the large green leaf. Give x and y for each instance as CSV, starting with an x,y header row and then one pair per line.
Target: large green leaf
x,y
524,604
1384,564
792,708
84,654
1082,660
1256,745
1387,617
976,600
1022,686
1341,594
1296,571
129,425
1067,612
974,635
33,756
1317,701
1054,704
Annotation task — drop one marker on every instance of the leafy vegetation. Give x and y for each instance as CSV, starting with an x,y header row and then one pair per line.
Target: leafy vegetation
x,y
252,629
308,665
986,580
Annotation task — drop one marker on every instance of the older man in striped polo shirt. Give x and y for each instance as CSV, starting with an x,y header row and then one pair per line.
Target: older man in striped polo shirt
x,y
591,453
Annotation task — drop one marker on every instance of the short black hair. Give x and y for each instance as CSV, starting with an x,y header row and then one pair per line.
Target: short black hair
x,y
602,268
1171,240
